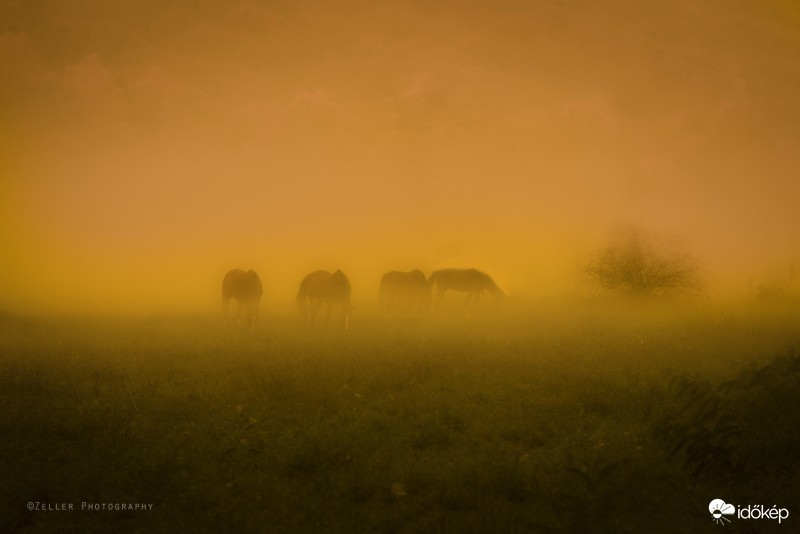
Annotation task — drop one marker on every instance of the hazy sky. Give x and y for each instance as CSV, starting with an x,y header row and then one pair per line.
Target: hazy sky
x,y
147,147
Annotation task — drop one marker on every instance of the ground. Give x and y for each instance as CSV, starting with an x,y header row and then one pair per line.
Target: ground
x,y
538,417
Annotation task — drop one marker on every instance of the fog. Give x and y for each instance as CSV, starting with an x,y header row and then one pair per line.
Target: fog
x,y
147,148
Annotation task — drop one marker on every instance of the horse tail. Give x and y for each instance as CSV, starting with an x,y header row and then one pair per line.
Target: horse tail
x,y
228,292
342,288
302,299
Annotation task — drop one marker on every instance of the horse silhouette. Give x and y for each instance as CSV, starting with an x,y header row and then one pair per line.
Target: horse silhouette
x,y
246,289
323,287
408,290
470,281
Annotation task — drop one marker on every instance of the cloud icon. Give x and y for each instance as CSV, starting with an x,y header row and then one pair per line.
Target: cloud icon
x,y
718,508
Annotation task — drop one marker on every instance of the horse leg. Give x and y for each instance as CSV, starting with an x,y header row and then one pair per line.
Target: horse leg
x,y
327,314
478,298
225,302
239,313
345,316
439,295
251,315
314,309
302,305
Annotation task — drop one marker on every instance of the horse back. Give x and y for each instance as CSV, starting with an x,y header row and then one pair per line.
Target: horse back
x,y
239,285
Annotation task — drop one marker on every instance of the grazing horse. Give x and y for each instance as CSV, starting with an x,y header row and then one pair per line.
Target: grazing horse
x,y
323,287
469,281
246,288
399,289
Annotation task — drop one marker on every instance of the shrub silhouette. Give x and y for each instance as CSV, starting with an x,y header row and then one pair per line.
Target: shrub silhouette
x,y
741,426
635,264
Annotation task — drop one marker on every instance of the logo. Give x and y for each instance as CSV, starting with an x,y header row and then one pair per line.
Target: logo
x,y
719,509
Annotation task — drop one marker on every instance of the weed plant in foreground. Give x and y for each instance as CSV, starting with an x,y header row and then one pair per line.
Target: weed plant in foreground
x,y
580,419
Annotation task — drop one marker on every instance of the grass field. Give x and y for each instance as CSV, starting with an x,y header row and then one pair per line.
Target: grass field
x,y
541,417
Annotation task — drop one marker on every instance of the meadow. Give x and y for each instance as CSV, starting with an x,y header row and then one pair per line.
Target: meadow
x,y
541,417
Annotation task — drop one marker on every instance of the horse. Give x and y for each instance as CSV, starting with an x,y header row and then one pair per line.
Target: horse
x,y
404,289
324,287
470,281
246,288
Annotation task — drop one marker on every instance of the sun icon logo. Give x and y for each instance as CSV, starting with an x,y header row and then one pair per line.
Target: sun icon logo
x,y
719,509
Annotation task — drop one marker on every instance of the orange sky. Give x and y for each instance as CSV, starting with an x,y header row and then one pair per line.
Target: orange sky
x,y
147,147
